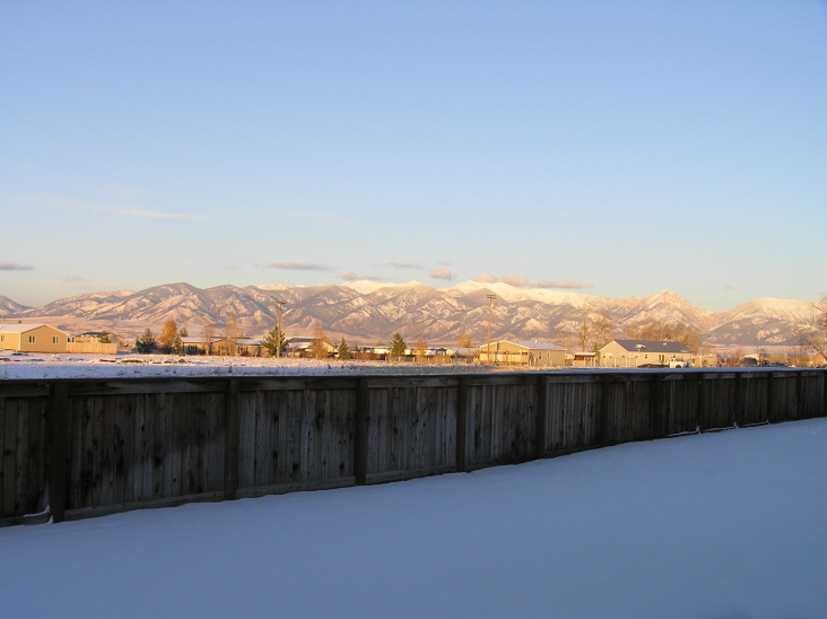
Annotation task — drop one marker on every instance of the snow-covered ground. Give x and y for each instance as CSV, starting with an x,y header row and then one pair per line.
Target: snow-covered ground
x,y
39,366
725,525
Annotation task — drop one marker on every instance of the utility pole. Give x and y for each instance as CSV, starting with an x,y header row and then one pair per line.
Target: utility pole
x,y
490,298
281,305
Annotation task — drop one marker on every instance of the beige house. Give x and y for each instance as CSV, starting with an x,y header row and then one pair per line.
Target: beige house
x,y
221,347
528,353
23,337
302,347
89,342
636,353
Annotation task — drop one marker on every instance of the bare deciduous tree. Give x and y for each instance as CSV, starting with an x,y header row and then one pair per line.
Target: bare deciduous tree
x,y
686,334
594,329
318,346
420,348
209,336
813,335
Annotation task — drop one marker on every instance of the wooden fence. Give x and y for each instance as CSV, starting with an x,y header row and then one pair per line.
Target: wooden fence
x,y
75,448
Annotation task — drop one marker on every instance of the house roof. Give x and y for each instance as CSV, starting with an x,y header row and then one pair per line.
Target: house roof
x,y
653,346
528,344
201,340
24,327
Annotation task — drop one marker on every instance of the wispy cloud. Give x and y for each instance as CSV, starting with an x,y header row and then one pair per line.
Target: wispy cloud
x,y
441,274
103,208
518,281
403,265
353,277
299,266
561,283
12,266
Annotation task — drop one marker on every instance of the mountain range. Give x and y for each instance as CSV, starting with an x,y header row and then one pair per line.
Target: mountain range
x,y
369,313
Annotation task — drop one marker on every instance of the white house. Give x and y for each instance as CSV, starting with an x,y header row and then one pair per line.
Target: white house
x,y
635,353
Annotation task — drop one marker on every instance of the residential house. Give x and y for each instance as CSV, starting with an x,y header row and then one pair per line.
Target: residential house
x,y
28,337
520,352
242,347
636,353
89,342
301,347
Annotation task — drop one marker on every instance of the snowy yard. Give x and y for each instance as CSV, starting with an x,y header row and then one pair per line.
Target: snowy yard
x,y
43,365
725,525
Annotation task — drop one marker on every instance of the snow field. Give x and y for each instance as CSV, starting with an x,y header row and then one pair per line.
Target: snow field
x,y
717,525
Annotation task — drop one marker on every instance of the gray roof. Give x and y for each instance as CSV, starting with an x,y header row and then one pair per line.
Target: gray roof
x,y
655,346
529,344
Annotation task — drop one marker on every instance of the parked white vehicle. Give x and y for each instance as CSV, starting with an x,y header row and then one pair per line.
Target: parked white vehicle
x,y
677,363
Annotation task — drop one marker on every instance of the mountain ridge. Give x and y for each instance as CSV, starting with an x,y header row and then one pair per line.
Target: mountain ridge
x,y
369,312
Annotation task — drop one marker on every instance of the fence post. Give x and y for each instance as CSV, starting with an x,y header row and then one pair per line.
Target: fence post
x,y
57,431
542,417
824,393
770,398
360,436
231,440
656,415
741,403
798,396
602,421
701,404
462,425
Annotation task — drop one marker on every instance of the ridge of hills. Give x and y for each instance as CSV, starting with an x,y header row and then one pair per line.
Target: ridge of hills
x,y
368,312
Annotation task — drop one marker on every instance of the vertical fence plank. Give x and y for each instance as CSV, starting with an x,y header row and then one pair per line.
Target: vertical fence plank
x,y
360,438
658,413
541,418
57,432
461,431
107,470
21,465
700,404
601,421
34,499
824,393
231,440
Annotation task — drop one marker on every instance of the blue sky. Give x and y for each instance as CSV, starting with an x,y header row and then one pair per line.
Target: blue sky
x,y
619,148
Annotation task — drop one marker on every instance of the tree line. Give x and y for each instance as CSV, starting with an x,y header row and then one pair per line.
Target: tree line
x,y
592,331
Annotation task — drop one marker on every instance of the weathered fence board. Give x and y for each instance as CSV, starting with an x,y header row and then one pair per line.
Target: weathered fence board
x,y
87,447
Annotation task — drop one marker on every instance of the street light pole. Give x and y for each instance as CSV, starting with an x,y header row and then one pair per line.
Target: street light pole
x,y
278,347
490,298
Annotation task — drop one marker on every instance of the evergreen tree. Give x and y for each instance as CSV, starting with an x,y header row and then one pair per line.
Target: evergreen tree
x,y
398,347
343,350
104,338
178,345
275,342
183,332
146,343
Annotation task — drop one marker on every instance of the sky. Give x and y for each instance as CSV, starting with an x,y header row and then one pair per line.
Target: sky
x,y
613,148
